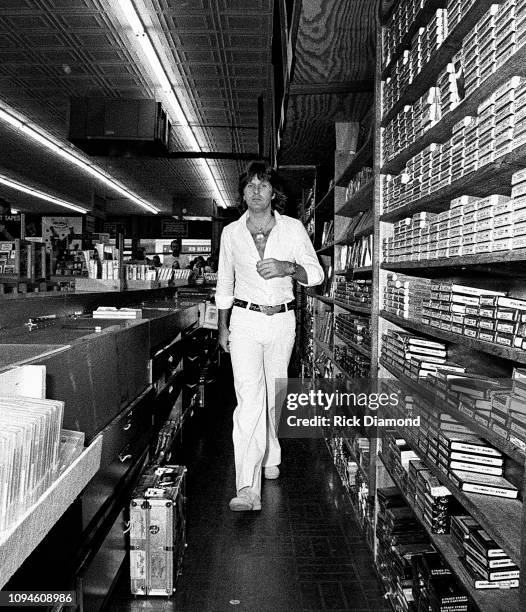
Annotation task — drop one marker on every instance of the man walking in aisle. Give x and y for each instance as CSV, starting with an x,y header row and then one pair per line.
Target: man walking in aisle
x,y
260,255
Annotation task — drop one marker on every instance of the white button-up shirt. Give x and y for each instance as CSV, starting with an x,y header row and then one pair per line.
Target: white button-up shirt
x,y
237,274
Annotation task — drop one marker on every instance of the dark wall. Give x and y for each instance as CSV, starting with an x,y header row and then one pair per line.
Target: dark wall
x,y
150,227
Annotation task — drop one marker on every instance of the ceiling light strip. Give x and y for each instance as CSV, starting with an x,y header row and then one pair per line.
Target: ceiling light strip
x,y
4,180
58,149
134,21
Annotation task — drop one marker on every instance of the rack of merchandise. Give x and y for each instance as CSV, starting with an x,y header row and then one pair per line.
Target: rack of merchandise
x,y
449,169
341,330
448,300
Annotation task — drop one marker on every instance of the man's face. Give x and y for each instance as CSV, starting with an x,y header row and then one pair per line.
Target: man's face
x,y
174,245
258,194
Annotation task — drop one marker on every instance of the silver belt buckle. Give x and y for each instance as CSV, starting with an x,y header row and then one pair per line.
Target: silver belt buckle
x,y
270,310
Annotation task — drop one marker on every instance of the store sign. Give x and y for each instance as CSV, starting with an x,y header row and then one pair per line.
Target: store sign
x,y
170,228
113,229
9,227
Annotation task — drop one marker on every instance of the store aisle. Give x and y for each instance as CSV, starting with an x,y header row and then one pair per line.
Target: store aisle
x,y
303,551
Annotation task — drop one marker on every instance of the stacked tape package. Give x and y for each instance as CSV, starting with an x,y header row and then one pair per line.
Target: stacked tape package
x,y
404,295
486,562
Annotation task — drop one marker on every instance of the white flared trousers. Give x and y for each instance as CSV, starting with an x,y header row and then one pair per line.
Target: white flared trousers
x,y
260,349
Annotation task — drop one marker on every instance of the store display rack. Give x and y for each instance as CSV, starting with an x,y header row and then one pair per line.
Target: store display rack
x,y
484,600
503,519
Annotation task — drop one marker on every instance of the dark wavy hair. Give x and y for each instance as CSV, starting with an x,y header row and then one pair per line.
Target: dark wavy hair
x,y
263,172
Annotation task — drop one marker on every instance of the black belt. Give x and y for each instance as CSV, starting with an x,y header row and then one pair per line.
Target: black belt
x,y
268,310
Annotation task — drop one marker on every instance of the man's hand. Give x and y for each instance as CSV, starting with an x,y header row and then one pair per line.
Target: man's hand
x,y
272,268
223,336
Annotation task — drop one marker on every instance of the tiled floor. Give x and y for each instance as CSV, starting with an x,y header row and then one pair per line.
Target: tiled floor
x,y
303,551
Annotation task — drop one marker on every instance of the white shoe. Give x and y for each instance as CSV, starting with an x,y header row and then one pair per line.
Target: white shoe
x,y
271,472
245,501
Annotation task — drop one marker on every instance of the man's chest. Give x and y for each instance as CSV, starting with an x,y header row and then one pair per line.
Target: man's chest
x,y
249,249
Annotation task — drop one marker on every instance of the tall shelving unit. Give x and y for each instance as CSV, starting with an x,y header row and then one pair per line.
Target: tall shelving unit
x,y
339,352
503,519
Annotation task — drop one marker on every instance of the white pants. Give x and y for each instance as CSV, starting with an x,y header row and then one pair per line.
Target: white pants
x,y
260,349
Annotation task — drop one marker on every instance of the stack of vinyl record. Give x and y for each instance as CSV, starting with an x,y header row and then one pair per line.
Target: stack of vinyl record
x,y
112,312
485,561
29,452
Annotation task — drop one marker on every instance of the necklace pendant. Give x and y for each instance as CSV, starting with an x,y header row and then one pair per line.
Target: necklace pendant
x,y
260,236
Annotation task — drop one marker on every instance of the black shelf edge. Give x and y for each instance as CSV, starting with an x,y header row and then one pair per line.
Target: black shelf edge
x,y
512,354
353,345
362,309
441,131
326,249
362,270
341,241
485,600
498,257
498,441
429,74
360,201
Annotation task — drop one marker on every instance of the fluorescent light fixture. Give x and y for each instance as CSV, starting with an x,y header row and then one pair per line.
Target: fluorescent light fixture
x,y
171,102
60,149
195,218
4,180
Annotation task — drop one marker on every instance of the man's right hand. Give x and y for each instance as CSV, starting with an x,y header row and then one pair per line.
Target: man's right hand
x,y
223,339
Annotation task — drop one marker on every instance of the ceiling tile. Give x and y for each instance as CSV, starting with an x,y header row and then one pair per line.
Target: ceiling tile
x,y
51,49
